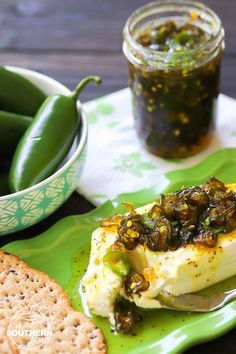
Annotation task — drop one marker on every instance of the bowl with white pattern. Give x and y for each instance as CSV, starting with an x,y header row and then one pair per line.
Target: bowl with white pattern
x,y
25,208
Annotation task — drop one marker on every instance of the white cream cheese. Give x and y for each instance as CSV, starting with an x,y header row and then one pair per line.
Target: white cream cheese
x,y
185,270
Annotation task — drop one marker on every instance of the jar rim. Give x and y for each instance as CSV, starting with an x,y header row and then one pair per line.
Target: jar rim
x,y
209,46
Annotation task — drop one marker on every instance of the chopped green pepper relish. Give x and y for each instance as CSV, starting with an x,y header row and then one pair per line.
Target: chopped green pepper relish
x,y
175,83
173,37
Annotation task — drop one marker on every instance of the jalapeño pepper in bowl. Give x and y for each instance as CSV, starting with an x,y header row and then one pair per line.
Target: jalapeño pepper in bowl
x,y
174,52
12,127
47,140
18,94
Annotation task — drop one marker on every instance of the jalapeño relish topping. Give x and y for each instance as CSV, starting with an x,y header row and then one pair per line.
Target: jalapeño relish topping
x,y
126,317
194,215
172,37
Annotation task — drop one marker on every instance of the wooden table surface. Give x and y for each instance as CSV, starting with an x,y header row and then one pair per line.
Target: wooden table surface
x,y
69,39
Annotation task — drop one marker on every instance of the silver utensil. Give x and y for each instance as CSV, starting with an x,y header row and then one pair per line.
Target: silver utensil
x,y
196,303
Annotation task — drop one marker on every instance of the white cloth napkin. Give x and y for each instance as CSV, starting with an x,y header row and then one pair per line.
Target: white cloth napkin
x,y
116,163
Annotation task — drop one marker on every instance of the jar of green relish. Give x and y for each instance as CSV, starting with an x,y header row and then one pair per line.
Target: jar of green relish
x,y
174,50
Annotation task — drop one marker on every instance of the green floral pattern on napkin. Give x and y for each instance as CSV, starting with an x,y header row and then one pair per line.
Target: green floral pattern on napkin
x,y
113,124
105,108
133,164
233,133
116,161
101,108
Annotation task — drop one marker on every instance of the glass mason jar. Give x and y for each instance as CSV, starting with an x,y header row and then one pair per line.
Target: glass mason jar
x,y
174,93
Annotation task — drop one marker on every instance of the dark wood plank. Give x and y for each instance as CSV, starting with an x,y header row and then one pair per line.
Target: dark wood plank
x,y
222,345
228,76
80,25
69,68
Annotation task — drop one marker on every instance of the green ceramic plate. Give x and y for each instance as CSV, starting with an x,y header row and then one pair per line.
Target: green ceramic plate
x,y
63,252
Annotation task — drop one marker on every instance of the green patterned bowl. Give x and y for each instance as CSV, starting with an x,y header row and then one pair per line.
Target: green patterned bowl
x,y
25,208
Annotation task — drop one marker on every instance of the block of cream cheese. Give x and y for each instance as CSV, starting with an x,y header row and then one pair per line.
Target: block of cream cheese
x,y
185,270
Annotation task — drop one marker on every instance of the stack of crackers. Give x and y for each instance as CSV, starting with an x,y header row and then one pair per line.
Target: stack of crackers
x,y
36,315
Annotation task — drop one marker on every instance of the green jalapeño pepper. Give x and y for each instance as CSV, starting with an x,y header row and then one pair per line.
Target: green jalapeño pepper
x,y
12,127
18,94
47,140
118,262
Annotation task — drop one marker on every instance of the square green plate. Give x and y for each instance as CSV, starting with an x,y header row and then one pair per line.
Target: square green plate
x,y
63,252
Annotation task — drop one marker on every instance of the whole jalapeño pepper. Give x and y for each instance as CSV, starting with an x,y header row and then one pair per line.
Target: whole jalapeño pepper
x,y
18,94
47,140
12,127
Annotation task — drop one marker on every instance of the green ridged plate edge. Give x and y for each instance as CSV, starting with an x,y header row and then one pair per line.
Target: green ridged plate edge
x,y
63,251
